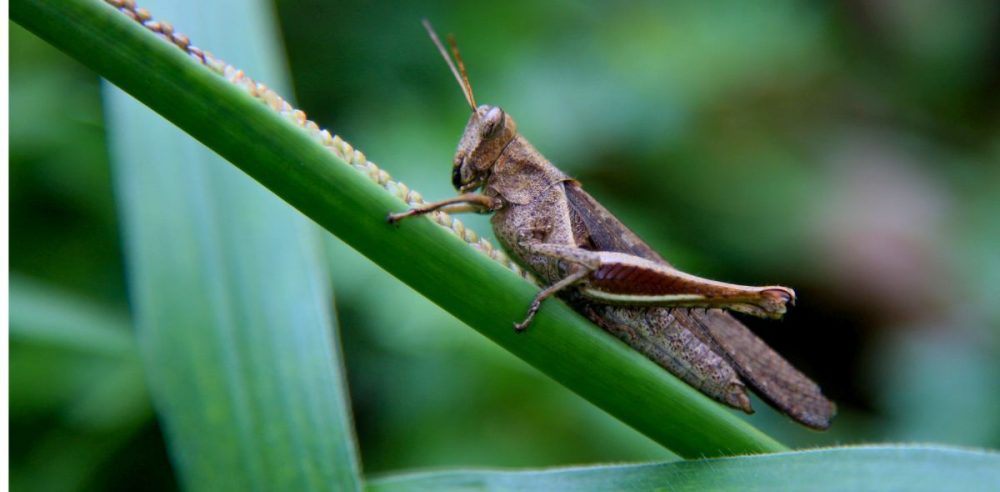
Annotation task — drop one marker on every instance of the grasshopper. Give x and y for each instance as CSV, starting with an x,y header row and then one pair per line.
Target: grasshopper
x,y
585,255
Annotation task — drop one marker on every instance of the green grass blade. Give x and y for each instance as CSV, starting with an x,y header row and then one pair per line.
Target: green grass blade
x,y
232,303
42,315
75,357
873,468
75,363
480,292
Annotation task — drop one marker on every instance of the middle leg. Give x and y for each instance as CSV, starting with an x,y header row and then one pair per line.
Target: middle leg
x,y
547,292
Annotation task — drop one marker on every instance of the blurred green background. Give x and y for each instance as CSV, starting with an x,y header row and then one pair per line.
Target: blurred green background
x,y
848,149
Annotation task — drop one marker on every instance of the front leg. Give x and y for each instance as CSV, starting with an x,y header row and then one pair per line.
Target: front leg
x,y
469,202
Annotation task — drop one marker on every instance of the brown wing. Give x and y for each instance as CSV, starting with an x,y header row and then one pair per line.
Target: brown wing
x,y
597,229
771,376
658,334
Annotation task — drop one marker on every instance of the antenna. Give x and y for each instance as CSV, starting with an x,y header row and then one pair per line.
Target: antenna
x,y
461,69
461,77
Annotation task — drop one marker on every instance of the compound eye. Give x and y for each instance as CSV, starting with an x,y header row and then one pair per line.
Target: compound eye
x,y
456,177
493,122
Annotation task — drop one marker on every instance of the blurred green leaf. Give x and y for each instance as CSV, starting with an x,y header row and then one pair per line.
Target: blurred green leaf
x,y
873,468
72,356
232,304
73,363
45,316
268,147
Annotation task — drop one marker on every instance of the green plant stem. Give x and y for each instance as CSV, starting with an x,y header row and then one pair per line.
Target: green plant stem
x,y
475,289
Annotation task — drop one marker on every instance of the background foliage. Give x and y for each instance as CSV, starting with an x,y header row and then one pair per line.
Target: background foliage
x,y
849,150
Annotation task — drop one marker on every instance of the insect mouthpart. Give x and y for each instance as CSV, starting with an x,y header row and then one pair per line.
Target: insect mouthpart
x,y
471,185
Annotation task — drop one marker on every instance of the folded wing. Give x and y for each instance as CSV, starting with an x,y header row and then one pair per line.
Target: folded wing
x,y
770,375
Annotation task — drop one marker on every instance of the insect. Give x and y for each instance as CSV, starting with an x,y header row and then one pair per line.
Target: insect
x,y
585,255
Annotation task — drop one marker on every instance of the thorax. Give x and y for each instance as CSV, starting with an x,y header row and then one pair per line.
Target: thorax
x,y
535,208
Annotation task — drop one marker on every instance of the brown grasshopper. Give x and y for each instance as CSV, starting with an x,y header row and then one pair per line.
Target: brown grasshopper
x,y
581,252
